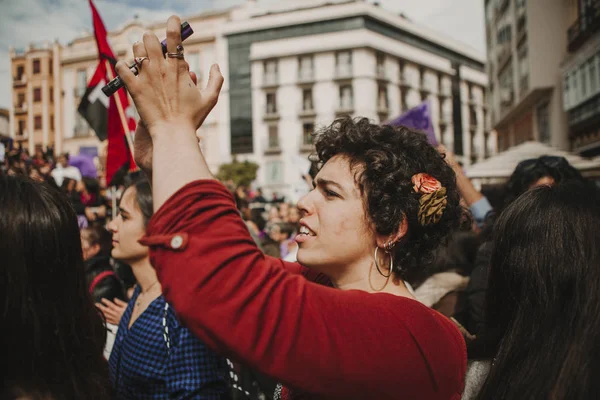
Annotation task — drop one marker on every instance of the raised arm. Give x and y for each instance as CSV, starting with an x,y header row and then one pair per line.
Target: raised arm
x,y
320,339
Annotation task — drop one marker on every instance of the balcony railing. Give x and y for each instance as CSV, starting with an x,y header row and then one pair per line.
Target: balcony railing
x,y
22,108
306,75
19,80
270,80
381,74
343,71
584,27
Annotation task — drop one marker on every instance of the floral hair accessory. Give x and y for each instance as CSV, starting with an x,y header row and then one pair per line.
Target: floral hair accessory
x,y
433,199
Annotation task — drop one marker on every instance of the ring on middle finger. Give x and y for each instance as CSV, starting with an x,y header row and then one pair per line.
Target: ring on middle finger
x,y
178,53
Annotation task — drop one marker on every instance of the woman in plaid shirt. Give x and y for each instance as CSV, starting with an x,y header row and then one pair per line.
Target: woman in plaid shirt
x,y
154,356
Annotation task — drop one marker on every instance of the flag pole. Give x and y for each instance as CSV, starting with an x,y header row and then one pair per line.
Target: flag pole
x,y
121,112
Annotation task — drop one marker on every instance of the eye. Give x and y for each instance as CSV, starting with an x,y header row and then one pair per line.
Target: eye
x,y
329,193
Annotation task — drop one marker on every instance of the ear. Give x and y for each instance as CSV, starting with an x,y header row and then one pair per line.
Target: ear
x,y
382,240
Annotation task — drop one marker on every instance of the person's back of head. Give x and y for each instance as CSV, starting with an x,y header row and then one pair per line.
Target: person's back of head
x,y
543,301
52,335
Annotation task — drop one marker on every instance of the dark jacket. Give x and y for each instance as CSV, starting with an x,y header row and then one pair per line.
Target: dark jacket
x,y
477,289
109,287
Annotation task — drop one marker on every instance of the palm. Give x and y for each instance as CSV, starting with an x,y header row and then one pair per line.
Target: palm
x,y
142,147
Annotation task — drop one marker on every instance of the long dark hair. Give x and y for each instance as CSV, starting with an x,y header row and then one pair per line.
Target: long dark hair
x,y
543,301
52,335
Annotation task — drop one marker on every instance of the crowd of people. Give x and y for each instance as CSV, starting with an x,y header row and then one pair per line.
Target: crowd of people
x,y
394,277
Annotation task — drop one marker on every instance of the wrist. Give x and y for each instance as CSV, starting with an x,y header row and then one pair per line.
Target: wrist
x,y
170,130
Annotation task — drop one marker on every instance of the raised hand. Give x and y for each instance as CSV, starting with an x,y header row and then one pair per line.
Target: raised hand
x,y
164,93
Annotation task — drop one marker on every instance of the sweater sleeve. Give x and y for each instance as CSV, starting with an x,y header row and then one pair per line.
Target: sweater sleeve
x,y
313,338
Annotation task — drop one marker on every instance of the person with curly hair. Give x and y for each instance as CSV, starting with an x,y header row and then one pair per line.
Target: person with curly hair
x,y
341,323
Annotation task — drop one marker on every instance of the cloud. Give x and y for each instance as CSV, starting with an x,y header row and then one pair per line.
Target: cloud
x,y
26,21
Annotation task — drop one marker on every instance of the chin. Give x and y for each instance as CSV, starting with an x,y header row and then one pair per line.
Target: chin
x,y
307,260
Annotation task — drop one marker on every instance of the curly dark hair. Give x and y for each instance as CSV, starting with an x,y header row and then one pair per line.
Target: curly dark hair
x,y
387,158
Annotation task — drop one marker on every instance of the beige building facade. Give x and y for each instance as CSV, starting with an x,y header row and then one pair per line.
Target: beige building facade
x,y
34,111
526,42
50,80
581,76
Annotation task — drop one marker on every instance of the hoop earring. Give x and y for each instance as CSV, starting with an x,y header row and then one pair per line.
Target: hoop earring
x,y
377,264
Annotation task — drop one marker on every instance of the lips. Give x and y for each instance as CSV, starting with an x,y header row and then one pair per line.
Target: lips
x,y
304,233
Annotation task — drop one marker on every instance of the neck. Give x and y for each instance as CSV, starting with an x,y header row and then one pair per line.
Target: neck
x,y
144,273
364,276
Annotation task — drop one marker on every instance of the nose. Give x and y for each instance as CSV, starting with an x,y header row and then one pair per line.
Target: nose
x,y
305,204
112,226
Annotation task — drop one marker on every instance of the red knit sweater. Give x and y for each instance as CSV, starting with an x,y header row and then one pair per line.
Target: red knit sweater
x,y
323,342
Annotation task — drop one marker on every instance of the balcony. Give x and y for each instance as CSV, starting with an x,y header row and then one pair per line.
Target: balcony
x,y
270,115
270,80
307,112
21,109
306,76
19,81
344,109
381,73
343,71
404,82
583,28
503,55
272,147
446,118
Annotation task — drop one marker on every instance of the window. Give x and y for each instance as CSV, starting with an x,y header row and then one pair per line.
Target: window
x,y
270,71
193,60
50,67
543,122
566,102
37,94
306,68
592,74
380,59
273,137
346,98
52,123
523,68
37,122
81,82
81,126
51,94
583,81
343,63
21,101
271,103
307,133
504,35
382,97
274,171
20,72
22,127
307,100
36,66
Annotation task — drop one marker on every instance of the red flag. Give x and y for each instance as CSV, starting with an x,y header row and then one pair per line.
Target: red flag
x,y
112,118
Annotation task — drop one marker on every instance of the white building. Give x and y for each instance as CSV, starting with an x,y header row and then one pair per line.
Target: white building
x,y
297,67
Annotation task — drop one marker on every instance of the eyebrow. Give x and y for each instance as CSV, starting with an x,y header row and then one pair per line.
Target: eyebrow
x,y
122,210
326,182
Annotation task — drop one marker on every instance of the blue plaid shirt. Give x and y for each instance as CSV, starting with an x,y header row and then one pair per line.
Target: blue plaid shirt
x,y
160,359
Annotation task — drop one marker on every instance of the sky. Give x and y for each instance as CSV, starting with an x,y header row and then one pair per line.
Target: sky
x,y
26,21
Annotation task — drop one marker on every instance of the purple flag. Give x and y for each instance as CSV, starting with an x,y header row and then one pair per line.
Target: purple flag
x,y
418,118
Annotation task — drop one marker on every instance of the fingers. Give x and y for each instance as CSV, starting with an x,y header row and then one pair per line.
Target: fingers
x,y
102,308
215,82
194,77
173,33
120,303
139,50
126,75
153,48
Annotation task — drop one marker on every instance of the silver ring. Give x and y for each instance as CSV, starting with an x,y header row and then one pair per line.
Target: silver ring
x,y
140,60
178,54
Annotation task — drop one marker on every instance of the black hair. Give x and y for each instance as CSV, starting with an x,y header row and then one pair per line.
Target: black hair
x,y
51,330
99,235
530,171
143,195
543,299
387,158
